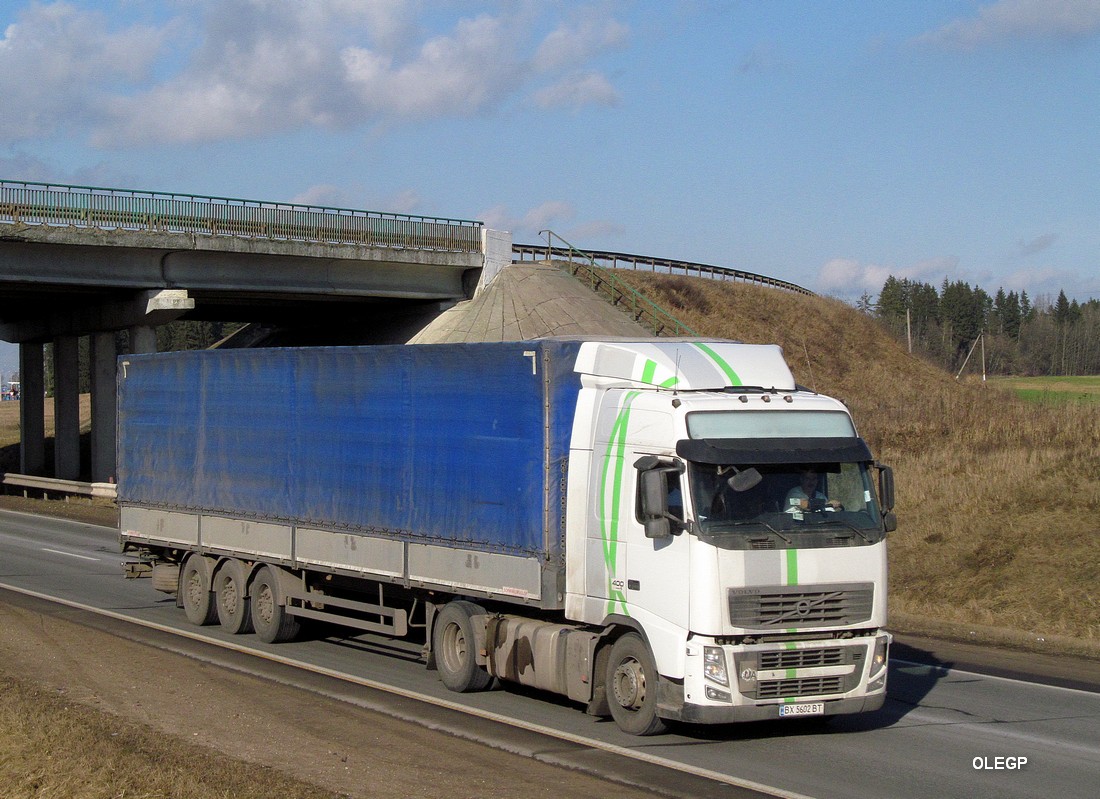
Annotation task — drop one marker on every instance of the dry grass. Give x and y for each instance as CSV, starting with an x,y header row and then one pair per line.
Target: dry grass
x,y
51,747
998,499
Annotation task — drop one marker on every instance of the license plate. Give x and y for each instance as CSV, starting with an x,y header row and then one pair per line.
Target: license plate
x,y
802,709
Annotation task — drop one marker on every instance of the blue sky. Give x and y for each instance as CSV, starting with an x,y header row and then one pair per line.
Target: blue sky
x,y
829,144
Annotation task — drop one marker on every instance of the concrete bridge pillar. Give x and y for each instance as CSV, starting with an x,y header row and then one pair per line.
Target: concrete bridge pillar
x,y
143,338
32,415
66,407
103,356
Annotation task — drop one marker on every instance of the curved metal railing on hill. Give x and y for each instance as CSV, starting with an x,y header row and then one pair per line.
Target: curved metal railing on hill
x,y
621,260
623,296
113,209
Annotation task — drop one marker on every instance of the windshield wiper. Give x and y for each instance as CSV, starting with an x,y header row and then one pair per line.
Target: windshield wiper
x,y
849,525
761,522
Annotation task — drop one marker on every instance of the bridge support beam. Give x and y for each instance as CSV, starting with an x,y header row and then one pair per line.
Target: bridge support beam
x,y
66,407
103,356
32,412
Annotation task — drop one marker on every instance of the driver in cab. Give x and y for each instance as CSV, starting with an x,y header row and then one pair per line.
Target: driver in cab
x,y
806,495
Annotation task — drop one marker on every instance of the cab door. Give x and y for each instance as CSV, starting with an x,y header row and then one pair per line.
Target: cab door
x,y
629,575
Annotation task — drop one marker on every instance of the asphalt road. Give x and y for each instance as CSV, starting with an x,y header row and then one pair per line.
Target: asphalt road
x,y
944,732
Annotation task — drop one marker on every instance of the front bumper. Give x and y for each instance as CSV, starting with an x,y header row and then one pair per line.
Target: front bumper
x,y
731,714
845,676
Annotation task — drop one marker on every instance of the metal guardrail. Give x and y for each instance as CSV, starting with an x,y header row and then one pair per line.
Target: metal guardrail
x,y
58,486
113,209
614,290
621,260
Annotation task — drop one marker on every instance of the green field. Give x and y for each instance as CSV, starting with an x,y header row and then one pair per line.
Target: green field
x,y
1053,390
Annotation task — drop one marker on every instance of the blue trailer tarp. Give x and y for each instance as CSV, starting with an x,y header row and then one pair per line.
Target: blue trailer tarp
x,y
462,443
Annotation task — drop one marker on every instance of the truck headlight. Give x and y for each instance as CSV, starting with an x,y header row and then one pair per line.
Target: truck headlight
x,y
878,660
714,665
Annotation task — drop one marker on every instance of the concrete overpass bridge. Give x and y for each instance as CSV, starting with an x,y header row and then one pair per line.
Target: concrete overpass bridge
x,y
80,261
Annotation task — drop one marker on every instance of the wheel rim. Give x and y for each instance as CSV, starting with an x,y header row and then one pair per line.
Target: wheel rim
x,y
194,589
229,595
628,685
265,604
454,647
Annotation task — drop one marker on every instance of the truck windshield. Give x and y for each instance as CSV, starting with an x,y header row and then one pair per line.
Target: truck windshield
x,y
793,505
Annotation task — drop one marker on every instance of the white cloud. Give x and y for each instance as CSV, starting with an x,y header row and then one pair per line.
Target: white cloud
x,y
547,214
323,194
58,63
457,74
1037,244
850,277
498,217
573,44
224,69
555,215
328,195
404,202
577,91
1007,20
552,214
1049,280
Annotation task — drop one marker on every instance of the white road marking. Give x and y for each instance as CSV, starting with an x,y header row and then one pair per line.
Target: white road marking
x,y
69,554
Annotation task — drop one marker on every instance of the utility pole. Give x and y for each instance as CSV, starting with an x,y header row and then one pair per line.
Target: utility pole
x,y
980,338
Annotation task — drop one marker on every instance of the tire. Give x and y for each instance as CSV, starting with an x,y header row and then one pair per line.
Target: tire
x,y
270,620
631,685
231,597
453,648
195,594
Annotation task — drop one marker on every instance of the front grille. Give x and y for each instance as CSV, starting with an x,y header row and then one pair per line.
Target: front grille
x,y
801,658
802,606
805,686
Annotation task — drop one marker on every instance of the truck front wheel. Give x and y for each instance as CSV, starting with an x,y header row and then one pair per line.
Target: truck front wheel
x,y
631,685
453,647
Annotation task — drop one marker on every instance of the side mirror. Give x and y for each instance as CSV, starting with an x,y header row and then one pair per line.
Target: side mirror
x,y
885,486
654,497
658,528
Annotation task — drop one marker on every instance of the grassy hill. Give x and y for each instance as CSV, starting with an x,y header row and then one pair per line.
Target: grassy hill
x,y
998,498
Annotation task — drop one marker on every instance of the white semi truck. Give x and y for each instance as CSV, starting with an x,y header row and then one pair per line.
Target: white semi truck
x,y
659,530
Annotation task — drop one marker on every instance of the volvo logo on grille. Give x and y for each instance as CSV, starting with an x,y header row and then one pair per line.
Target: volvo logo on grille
x,y
803,607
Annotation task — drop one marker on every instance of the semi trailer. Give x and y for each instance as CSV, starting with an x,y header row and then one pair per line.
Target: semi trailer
x,y
659,530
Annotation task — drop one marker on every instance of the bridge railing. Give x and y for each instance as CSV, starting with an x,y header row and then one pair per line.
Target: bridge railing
x,y
647,263
112,209
616,291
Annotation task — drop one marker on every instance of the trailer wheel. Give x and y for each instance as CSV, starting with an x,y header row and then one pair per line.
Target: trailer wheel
x,y
198,601
231,598
453,647
272,623
631,685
